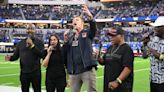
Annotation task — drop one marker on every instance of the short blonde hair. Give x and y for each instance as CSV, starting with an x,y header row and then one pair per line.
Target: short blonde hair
x,y
80,18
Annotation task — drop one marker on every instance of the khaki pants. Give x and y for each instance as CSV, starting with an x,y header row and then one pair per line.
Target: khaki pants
x,y
88,77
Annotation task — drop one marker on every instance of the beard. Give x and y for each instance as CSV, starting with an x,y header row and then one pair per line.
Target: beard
x,y
160,35
30,34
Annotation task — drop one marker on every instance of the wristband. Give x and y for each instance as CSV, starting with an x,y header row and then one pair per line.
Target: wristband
x,y
119,81
161,57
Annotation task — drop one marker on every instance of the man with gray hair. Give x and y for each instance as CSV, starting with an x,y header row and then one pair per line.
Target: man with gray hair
x,y
29,51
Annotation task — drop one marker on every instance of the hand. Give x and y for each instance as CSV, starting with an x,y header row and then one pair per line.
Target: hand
x,y
50,49
95,54
100,60
68,83
29,42
113,85
7,58
86,11
145,41
154,53
66,36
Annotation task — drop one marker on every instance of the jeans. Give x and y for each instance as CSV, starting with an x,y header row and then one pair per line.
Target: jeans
x,y
88,77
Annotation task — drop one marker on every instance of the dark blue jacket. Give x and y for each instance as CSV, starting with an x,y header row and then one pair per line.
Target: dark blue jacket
x,y
85,44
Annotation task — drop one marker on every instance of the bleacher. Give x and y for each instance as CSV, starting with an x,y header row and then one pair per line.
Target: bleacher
x,y
67,12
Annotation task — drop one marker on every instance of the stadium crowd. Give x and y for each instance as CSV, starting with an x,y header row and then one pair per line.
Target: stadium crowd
x,y
67,12
133,34
76,50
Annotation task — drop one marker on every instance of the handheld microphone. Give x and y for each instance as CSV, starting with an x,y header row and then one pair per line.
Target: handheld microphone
x,y
99,51
82,14
52,48
71,33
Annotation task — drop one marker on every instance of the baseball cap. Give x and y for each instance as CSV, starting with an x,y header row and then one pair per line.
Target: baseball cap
x,y
115,31
158,22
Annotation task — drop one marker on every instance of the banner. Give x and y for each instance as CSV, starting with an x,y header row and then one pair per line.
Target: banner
x,y
111,0
2,20
129,19
47,2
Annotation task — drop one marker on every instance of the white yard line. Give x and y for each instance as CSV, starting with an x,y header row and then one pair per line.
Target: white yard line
x,y
13,89
8,67
6,84
43,87
8,75
17,89
100,66
144,69
4,62
99,77
138,61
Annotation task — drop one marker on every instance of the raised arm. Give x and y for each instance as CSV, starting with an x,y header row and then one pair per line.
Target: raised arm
x,y
91,21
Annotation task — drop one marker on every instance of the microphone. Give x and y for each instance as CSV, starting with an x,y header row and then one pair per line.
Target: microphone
x,y
71,33
82,14
52,48
99,51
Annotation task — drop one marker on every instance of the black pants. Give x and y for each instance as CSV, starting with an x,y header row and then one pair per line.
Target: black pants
x,y
120,90
34,78
156,87
55,84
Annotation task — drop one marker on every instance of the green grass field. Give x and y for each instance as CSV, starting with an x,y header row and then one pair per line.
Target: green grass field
x,y
9,75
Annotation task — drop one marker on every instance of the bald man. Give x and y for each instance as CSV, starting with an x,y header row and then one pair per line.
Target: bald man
x,y
29,51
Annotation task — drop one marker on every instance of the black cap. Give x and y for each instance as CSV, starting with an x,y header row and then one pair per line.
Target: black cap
x,y
115,31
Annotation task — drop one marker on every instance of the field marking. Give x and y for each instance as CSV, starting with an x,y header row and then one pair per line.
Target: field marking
x,y
100,66
6,84
139,61
43,87
8,67
144,69
14,89
4,62
8,75
99,77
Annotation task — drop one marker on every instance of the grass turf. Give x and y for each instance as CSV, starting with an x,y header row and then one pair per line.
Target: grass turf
x,y
9,75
